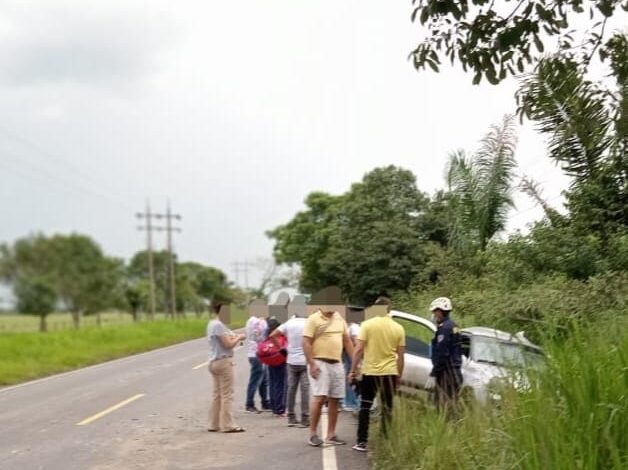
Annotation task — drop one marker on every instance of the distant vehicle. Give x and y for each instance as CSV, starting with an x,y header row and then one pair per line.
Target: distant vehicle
x,y
491,357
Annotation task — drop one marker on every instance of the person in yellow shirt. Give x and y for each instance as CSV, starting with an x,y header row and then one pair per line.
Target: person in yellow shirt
x,y
380,346
325,334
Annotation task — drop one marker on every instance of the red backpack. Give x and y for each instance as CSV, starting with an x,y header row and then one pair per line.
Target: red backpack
x,y
270,354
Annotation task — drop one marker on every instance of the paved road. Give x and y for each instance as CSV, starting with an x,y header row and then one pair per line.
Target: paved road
x,y
161,421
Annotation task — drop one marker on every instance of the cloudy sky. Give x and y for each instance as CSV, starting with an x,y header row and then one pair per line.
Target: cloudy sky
x,y
234,111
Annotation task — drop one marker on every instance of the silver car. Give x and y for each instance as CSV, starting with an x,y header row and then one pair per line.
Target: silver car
x,y
490,357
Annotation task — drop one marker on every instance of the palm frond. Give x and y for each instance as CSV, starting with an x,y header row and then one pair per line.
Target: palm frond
x,y
572,112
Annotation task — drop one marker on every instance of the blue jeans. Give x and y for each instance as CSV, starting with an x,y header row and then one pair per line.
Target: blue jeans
x,y
258,381
277,375
350,400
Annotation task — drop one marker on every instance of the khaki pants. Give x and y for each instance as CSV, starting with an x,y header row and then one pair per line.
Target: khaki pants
x,y
221,406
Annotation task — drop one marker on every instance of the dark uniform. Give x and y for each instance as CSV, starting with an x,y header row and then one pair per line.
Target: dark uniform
x,y
446,361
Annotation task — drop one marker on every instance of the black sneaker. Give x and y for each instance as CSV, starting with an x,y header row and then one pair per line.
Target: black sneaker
x,y
252,409
305,423
266,408
360,447
315,441
292,421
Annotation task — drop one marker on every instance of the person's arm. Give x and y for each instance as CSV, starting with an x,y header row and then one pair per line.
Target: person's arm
x,y
274,336
348,344
358,354
307,350
440,350
229,340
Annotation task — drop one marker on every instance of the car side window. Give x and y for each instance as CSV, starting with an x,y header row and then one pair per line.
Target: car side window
x,y
465,345
418,337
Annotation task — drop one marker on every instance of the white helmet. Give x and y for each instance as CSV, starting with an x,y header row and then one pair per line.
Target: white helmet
x,y
442,303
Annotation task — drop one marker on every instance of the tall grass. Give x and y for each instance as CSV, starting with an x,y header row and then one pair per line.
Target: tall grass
x,y
575,417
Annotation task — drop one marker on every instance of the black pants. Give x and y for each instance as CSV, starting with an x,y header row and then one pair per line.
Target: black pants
x,y
448,384
370,386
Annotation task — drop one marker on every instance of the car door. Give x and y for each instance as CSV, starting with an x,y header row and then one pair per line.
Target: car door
x,y
419,333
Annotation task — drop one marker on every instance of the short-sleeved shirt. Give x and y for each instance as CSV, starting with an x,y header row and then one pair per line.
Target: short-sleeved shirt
x,y
215,329
293,331
354,331
382,337
255,333
327,334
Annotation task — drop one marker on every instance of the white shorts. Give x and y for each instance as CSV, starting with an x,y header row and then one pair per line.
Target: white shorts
x,y
330,382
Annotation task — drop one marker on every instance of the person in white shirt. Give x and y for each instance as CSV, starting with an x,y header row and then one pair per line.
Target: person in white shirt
x,y
355,315
258,379
297,370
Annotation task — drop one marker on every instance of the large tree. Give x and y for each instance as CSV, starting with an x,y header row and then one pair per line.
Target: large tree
x,y
368,241
35,297
306,238
82,277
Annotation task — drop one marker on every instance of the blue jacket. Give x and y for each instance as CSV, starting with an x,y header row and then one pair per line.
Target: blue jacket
x,y
446,353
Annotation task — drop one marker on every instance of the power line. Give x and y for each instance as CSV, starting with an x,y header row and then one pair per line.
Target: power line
x,y
71,176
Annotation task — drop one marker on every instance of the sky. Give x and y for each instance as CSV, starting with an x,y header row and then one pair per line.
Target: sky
x,y
231,111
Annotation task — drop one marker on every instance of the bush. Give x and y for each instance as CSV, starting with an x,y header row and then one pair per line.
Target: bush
x,y
575,417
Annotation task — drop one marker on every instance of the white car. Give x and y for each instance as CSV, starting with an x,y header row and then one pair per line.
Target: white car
x,y
490,357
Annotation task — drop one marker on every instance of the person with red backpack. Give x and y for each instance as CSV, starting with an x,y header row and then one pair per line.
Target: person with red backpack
x,y
272,352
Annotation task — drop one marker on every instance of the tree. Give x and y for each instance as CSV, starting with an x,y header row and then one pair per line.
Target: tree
x,y
138,270
367,241
35,297
83,279
305,239
482,185
494,41
587,126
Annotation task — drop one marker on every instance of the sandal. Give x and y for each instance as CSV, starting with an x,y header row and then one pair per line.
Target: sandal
x,y
236,429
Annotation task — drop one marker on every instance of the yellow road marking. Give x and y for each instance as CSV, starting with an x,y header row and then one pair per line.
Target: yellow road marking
x,y
109,410
201,365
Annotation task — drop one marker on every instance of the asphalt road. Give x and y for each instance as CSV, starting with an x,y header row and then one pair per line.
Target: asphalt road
x,y
157,405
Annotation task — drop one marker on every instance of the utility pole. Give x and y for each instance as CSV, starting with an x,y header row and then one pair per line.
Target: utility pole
x,y
171,274
242,267
149,250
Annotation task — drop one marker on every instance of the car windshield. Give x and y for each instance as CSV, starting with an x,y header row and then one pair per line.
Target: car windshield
x,y
494,351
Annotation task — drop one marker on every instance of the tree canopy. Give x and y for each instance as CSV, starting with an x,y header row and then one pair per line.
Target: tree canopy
x,y
369,241
497,39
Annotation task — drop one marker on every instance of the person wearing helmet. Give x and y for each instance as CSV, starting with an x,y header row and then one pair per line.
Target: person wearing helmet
x,y
446,356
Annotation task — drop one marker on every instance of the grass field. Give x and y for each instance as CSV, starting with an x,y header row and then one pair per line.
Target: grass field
x,y
20,323
576,417
30,355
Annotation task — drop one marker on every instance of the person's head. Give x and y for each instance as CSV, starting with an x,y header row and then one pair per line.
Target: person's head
x,y
216,306
384,301
273,324
328,300
258,308
440,308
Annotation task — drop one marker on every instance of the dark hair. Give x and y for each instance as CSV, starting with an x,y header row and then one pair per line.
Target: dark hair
x,y
273,324
216,307
383,300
